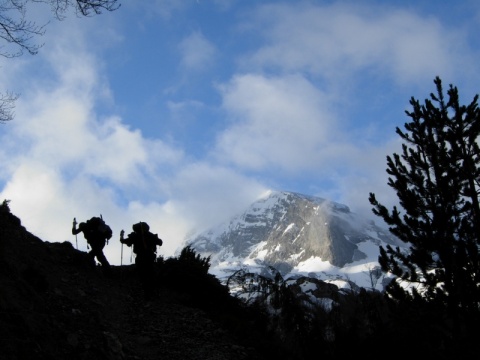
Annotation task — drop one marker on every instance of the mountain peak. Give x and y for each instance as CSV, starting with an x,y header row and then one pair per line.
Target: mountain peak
x,y
296,234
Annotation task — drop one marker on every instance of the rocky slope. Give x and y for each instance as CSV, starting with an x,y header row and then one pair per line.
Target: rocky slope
x,y
56,304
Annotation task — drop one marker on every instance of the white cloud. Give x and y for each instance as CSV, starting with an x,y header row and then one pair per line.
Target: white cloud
x,y
337,41
197,52
167,8
365,172
209,194
277,122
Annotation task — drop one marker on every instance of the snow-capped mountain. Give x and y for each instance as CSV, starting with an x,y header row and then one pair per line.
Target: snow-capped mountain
x,y
299,235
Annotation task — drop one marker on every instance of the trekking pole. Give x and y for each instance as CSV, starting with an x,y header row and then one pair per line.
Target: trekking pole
x,y
101,217
75,225
121,252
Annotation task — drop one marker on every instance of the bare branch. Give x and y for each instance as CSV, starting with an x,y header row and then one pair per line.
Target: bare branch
x,y
82,7
7,104
17,33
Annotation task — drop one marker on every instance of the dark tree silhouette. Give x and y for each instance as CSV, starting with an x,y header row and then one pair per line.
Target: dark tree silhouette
x,y
17,32
436,179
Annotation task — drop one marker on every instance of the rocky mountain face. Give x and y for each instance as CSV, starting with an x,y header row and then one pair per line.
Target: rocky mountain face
x,y
298,235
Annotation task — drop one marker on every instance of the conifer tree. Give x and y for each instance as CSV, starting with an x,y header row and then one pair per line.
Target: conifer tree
x,y
436,179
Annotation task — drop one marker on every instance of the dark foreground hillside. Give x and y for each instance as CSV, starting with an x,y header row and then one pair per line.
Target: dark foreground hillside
x,y
56,304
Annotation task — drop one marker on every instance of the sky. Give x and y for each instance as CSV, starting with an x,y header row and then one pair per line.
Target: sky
x,y
183,113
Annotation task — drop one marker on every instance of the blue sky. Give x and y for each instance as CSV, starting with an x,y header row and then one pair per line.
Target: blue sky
x,y
182,113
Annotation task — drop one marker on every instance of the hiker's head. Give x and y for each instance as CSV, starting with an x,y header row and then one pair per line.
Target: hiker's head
x,y
140,227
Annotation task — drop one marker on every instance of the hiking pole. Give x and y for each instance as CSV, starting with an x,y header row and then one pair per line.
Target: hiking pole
x,y
101,217
121,252
75,225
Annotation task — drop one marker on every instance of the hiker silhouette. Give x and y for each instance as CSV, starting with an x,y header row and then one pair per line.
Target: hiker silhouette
x,y
97,234
145,248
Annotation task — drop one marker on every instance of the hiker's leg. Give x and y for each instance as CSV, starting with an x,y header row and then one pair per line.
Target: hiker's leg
x,y
97,250
91,255
103,260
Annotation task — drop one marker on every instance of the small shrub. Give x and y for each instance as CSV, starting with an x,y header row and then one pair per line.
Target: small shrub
x,y
4,208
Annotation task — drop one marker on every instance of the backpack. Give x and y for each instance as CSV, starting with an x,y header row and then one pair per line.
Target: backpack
x,y
97,225
147,242
141,227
